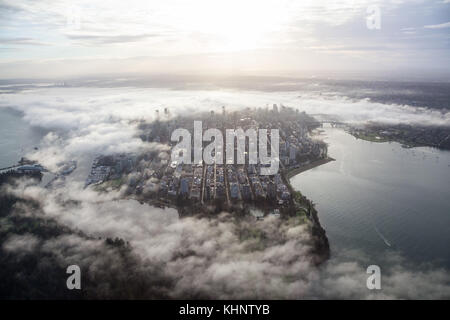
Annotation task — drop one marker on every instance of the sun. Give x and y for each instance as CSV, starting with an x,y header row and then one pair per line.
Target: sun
x,y
235,25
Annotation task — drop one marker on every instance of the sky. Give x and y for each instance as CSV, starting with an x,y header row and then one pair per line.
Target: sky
x,y
54,39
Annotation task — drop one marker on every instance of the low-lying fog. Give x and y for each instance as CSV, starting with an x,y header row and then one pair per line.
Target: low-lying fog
x,y
199,256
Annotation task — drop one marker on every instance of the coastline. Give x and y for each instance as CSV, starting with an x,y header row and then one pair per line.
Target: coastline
x,y
321,242
295,171
321,247
408,138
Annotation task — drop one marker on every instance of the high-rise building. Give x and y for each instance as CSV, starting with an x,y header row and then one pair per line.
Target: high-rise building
x,y
184,186
272,190
234,190
292,153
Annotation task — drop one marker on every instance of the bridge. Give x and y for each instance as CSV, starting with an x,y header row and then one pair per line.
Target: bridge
x,y
326,118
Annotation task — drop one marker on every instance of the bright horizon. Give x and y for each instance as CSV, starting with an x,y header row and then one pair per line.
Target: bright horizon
x,y
63,39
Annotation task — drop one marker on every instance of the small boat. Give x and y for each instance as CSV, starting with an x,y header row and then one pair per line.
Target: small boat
x,y
383,237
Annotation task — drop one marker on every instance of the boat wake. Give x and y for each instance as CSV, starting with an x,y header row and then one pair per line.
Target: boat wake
x,y
382,237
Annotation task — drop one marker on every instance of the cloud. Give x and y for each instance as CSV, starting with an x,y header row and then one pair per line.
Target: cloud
x,y
347,280
22,41
224,256
287,32
79,107
220,257
79,122
26,243
438,26
78,127
104,39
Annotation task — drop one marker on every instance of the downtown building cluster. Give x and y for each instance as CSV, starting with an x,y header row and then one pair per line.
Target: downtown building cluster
x,y
229,183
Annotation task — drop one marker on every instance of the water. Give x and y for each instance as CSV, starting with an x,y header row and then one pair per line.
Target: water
x,y
380,197
16,137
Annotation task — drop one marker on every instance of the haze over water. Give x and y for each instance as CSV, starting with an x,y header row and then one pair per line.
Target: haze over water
x,y
17,137
379,198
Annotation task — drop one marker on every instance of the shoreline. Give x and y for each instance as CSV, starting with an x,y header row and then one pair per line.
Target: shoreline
x,y
408,138
293,172
321,242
